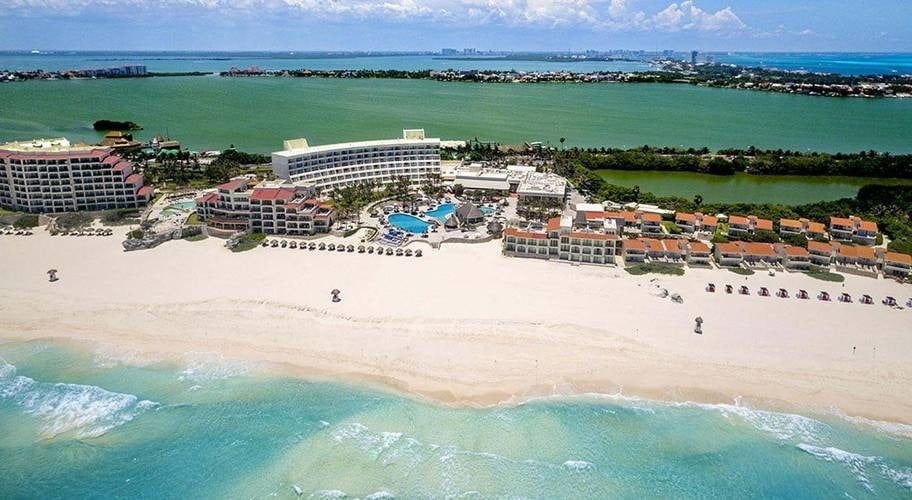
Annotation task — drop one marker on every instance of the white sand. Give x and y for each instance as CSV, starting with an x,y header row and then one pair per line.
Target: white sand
x,y
465,325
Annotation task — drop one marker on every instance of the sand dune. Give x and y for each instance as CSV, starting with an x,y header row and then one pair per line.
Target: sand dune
x,y
465,325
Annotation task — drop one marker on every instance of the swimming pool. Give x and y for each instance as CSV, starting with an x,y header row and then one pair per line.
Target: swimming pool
x,y
487,210
441,212
183,205
408,223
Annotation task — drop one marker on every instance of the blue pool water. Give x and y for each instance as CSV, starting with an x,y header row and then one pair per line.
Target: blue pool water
x,y
487,210
184,205
81,425
409,223
441,212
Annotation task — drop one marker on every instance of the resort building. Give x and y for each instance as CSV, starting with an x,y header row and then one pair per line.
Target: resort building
x,y
728,254
650,223
332,166
51,175
897,265
281,207
790,226
853,229
477,177
821,253
759,254
855,259
667,251
634,251
794,257
739,227
468,214
625,220
707,223
686,222
565,240
815,230
228,207
546,188
698,253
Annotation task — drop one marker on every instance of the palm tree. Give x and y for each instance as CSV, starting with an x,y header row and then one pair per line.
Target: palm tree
x,y
698,200
636,193
562,140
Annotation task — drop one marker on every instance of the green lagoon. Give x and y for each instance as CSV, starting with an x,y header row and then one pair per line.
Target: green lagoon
x,y
744,188
257,114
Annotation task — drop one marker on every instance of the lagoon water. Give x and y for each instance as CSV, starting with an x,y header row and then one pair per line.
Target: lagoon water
x,y
82,425
257,114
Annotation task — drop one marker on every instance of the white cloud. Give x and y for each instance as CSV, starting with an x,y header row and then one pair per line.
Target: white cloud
x,y
610,15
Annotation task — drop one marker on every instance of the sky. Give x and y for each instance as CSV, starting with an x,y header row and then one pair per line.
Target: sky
x,y
410,25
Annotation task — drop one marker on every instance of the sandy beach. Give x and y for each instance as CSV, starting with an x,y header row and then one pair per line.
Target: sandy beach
x,y
464,325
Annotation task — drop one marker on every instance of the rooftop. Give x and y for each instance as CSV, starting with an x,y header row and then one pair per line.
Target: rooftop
x,y
294,147
538,183
59,145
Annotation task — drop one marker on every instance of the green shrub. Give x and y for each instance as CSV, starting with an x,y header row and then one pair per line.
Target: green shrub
x,y
743,271
73,220
26,221
825,275
249,242
135,234
655,269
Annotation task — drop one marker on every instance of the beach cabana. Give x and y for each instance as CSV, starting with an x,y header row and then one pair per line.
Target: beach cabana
x,y
867,299
266,243
52,275
418,254
802,294
451,222
331,247
711,288
322,246
340,247
728,289
763,292
824,296
284,244
360,248
889,301
400,252
844,297
293,244
389,251
274,244
350,248
408,252
311,246
744,290
370,249
782,293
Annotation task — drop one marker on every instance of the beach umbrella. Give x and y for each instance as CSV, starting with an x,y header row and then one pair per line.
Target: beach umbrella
x,y
52,275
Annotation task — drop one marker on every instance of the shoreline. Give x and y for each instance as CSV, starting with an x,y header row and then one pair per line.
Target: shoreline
x,y
448,327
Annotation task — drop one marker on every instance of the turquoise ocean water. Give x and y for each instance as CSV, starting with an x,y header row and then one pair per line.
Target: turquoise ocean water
x,y
79,425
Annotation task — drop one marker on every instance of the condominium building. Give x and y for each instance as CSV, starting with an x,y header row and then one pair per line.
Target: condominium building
x,y
821,253
281,207
794,257
897,265
228,207
547,188
853,229
565,238
332,166
51,175
739,227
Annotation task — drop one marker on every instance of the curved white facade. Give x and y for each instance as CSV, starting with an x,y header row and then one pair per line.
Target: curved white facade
x,y
337,165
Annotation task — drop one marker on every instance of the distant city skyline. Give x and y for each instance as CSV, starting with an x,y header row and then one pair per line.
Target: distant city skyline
x,y
413,25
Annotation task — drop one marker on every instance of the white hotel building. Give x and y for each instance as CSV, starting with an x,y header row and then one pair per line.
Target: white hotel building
x,y
332,166
50,175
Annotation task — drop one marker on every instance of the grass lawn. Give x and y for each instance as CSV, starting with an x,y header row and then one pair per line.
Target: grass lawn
x,y
655,269
671,227
825,276
193,220
249,242
742,271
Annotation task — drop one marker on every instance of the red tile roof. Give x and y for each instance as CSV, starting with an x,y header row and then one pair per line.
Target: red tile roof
x,y
594,215
233,184
554,224
816,228
145,191
839,221
651,217
635,245
263,194
816,246
121,165
728,248
755,248
133,179
866,253
110,160
738,220
899,258
868,226
764,224
709,220
626,215
795,251
671,246
512,231
790,223
685,217
207,198
698,247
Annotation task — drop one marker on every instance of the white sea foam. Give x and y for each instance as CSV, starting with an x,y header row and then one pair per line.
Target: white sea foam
x,y
855,462
85,410
380,495
207,366
328,494
577,465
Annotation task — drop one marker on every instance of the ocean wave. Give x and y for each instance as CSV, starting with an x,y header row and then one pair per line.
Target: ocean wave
x,y
380,495
859,464
893,429
208,367
85,410
577,465
328,494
